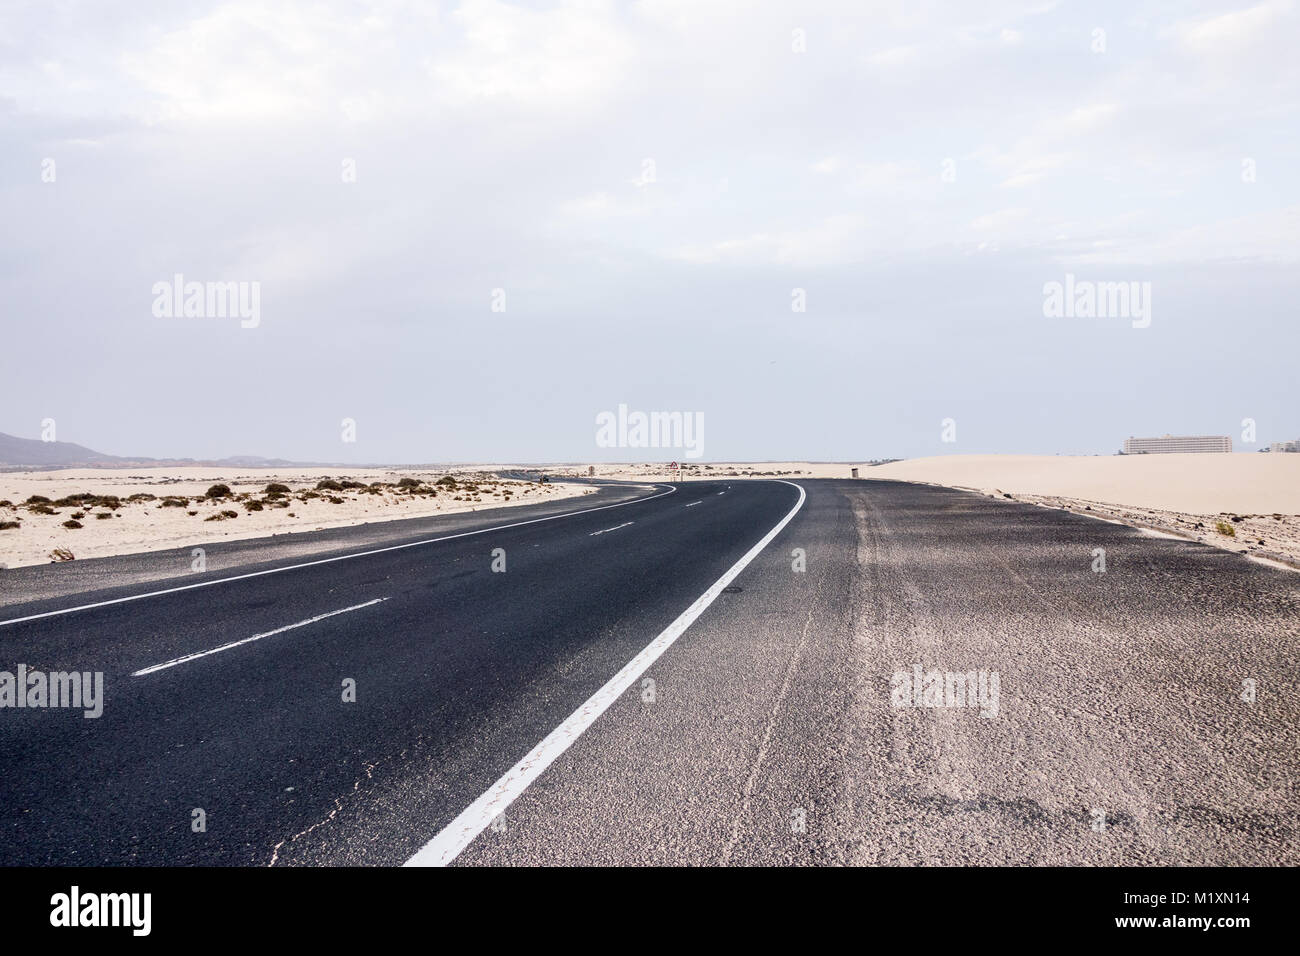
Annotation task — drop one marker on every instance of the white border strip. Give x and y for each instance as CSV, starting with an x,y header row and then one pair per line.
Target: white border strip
x,y
248,640
341,557
458,834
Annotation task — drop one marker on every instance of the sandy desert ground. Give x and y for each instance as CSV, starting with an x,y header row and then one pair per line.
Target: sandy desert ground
x,y
1191,484
1242,502
90,513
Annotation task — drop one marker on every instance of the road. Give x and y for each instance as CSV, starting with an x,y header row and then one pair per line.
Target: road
x,y
497,719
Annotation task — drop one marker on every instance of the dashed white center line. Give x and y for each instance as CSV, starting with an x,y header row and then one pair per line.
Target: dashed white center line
x,y
256,637
615,528
447,844
692,504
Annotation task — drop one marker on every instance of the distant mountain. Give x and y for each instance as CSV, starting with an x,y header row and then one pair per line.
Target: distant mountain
x,y
33,453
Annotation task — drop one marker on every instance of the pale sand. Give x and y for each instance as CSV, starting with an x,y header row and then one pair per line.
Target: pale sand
x,y
1248,503
1256,495
1189,484
145,526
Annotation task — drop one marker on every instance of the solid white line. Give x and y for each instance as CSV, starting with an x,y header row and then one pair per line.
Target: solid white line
x,y
615,528
1271,563
249,640
458,834
342,557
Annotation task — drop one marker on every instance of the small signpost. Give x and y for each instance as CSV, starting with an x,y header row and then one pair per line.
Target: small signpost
x,y
675,470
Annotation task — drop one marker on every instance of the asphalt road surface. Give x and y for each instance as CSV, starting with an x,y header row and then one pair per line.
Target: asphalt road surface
x,y
716,673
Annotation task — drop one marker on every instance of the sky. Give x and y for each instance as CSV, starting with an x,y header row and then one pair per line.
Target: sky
x,y
824,229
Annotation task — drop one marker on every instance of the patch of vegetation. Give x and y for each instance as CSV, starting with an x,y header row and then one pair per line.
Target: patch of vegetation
x,y
335,501
447,480
1224,528
6,503
7,525
253,505
218,491
275,488
62,554
409,483
222,516
37,500
142,496
101,515
328,484
73,524
42,510
170,502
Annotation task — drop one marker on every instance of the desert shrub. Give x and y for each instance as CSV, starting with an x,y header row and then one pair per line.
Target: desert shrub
x,y
222,516
6,503
335,501
218,491
73,524
42,510
101,515
7,525
275,488
328,484
62,554
253,505
349,483
142,496
37,500
77,516
1224,528
170,502
447,480
409,483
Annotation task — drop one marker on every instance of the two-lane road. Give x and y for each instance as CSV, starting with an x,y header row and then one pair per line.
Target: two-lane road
x,y
236,697
1146,706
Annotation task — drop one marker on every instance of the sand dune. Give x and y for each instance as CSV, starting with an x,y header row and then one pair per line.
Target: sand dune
x,y
1192,484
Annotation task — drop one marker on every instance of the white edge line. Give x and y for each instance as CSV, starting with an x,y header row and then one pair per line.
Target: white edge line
x,y
248,640
458,834
341,557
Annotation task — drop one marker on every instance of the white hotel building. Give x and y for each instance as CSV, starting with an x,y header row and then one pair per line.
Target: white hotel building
x,y
1177,445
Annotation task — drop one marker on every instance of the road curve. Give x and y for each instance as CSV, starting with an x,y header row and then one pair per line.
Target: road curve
x,y
1145,712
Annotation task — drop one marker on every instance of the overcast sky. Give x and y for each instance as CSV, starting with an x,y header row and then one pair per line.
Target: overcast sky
x,y
648,183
